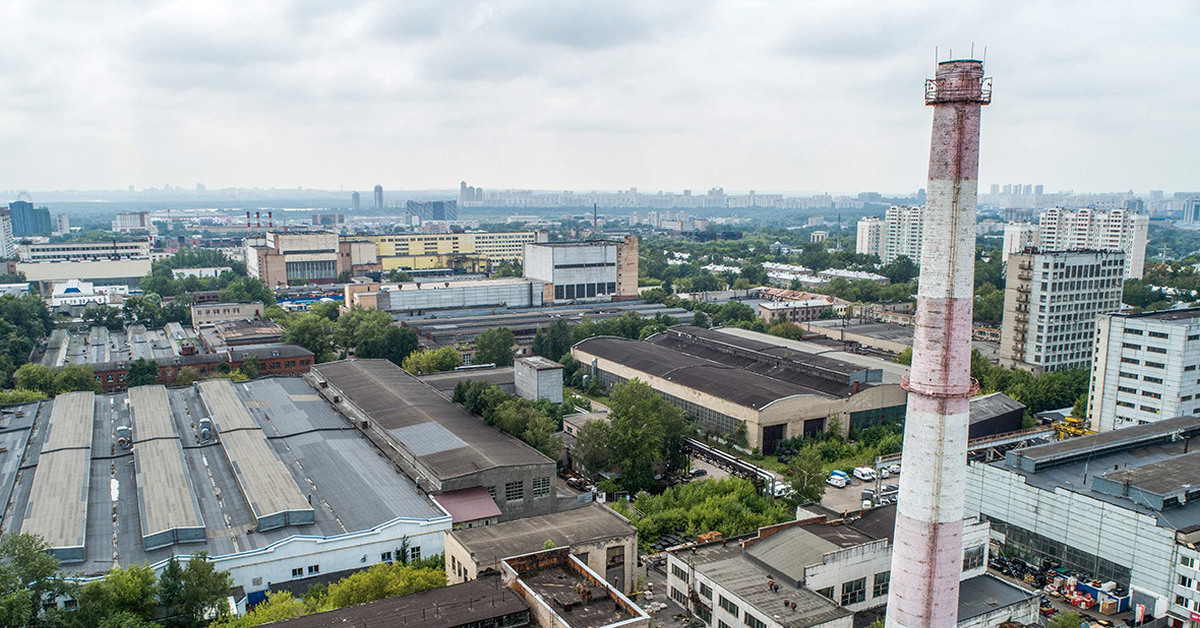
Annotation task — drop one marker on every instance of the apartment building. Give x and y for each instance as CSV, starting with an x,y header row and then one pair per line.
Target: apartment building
x,y
1145,368
1052,300
903,233
1117,230
869,240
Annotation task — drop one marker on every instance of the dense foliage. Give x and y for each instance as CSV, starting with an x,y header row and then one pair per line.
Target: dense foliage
x,y
330,334
731,506
432,361
534,422
23,322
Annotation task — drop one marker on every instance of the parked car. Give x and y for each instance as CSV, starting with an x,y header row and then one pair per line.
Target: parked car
x,y
894,468
883,473
698,473
836,481
866,474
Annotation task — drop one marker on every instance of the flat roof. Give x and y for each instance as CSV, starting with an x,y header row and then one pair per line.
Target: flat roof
x,y
469,504
1038,457
1174,476
986,593
446,439
984,407
16,425
166,497
893,373
539,363
58,500
747,580
267,485
1185,315
491,544
444,607
70,424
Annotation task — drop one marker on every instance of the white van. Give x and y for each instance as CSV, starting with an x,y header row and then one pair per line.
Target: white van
x,y
836,481
866,474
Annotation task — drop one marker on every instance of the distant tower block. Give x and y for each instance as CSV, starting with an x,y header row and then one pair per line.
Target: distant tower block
x,y
379,197
927,547
355,201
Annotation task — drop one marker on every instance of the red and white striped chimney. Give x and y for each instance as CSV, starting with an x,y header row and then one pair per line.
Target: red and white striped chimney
x,y
927,545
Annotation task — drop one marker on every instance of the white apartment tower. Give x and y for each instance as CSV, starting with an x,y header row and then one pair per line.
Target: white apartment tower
x,y
1145,369
1052,300
8,245
1018,236
903,233
1088,229
870,237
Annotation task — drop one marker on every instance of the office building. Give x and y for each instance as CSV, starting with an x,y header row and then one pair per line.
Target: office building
x,y
378,197
28,220
1052,300
731,384
596,269
77,251
409,250
1087,229
1145,368
870,238
355,201
438,298
1120,507
433,210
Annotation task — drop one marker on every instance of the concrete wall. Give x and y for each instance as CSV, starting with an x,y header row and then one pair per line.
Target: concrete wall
x,y
211,313
461,566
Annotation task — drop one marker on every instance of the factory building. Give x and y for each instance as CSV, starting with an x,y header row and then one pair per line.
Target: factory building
x,y
212,313
1120,506
406,250
265,476
441,446
1052,300
596,534
280,257
597,269
430,297
1145,368
100,272
723,381
72,251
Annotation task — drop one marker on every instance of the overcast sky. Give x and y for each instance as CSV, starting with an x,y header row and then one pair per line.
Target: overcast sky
x,y
416,94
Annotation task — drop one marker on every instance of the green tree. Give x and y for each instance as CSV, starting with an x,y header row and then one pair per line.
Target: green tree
x,y
495,346
378,339
700,319
639,432
75,377
29,579
900,270
142,372
509,268
247,289
329,309
989,305
553,340
128,591
279,605
143,310
21,395
1068,619
313,332
103,316
250,367
432,361
36,377
188,592
733,312
381,581
187,376
593,446
806,475
904,357
396,275
1080,409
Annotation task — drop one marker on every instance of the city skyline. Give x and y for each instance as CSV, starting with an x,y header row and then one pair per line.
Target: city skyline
x,y
521,95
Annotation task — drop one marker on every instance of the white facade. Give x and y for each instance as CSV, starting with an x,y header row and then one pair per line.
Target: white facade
x,y
585,270
1147,368
76,292
1018,236
131,222
1051,303
904,233
869,240
1116,230
538,378
61,251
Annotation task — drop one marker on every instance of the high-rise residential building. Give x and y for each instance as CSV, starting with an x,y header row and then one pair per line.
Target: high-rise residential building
x,y
28,220
1018,236
1117,230
133,222
870,237
355,201
433,210
8,244
1052,300
903,233
379,197
1191,211
1145,368
62,225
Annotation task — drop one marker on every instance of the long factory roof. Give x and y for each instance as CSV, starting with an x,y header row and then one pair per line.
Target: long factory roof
x,y
166,498
444,437
58,499
267,485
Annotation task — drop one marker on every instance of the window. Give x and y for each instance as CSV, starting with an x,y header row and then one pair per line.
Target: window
x,y
1156,349
414,553
704,614
1155,365
826,592
679,572
728,606
1180,601
1190,368
1152,395
314,569
514,491
1136,332
854,591
1129,360
1158,334
541,487
721,624
706,590
754,622
1152,380
678,596
492,491
973,557
385,557
1130,345
1185,581
1187,561
881,583
298,572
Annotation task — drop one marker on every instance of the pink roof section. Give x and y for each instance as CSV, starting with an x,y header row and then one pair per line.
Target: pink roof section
x,y
468,504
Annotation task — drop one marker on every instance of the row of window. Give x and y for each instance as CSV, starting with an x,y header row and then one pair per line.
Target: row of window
x,y
515,491
584,290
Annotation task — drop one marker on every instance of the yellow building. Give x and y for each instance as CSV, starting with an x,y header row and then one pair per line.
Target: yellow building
x,y
423,249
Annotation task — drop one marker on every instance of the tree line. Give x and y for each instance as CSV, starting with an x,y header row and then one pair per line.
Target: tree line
x,y
534,422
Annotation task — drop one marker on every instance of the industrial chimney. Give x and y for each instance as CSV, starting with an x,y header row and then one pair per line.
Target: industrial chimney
x,y
927,545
